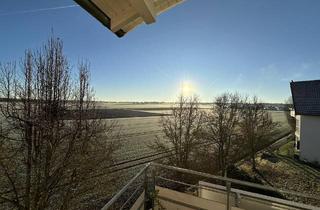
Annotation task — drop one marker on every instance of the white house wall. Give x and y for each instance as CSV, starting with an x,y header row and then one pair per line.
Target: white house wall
x,y
310,138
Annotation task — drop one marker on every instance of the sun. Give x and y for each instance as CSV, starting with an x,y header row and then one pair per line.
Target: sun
x,y
187,88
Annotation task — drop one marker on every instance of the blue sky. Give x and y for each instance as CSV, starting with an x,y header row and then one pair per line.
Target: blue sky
x,y
248,46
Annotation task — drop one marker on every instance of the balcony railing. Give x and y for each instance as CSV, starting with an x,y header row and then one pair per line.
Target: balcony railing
x,y
150,189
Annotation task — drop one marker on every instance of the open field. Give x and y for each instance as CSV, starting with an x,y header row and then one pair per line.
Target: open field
x,y
140,131
140,125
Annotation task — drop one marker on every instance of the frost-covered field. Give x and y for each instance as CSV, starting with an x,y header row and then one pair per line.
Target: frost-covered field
x,y
139,132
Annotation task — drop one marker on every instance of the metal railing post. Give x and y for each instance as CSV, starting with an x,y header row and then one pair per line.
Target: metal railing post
x,y
149,188
146,194
153,174
237,199
228,185
119,194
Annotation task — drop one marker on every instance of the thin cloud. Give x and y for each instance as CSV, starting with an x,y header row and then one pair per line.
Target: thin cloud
x,y
37,10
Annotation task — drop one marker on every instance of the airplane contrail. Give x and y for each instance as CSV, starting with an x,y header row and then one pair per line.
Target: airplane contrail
x,y
37,10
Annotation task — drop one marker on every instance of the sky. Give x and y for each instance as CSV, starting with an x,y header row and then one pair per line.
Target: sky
x,y
253,47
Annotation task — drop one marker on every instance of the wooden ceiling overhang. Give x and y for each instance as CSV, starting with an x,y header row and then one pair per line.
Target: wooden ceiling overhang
x,y
121,16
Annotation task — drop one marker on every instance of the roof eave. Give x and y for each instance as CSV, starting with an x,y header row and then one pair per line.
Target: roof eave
x,y
90,7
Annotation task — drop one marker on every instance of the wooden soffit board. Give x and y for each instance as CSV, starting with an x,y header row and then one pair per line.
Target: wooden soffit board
x,y
121,16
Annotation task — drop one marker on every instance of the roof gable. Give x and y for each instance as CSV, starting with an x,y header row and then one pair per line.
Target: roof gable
x,y
306,97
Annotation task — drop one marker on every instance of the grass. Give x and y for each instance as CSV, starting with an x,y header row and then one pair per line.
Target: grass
x,y
287,149
287,153
281,170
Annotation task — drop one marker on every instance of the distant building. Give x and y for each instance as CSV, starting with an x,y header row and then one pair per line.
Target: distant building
x,y
306,102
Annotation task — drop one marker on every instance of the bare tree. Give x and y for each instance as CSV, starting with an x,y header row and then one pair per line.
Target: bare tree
x,y
181,132
51,143
221,128
256,126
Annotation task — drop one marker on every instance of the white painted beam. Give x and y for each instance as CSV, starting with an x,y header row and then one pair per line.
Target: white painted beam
x,y
145,9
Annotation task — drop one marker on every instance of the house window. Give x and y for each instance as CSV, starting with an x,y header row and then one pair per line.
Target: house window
x,y
297,143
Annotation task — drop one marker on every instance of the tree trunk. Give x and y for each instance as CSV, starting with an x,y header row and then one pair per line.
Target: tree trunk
x,y
253,159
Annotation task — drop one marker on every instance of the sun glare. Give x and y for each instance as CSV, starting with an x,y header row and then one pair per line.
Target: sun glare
x,y
187,88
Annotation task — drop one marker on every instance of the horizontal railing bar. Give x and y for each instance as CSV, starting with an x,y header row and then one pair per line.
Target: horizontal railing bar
x,y
115,198
235,181
189,206
178,182
131,196
192,185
